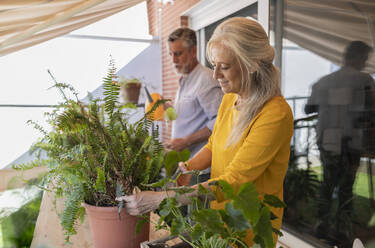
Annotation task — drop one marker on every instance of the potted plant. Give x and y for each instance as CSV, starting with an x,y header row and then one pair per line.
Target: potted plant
x,y
95,154
130,89
210,228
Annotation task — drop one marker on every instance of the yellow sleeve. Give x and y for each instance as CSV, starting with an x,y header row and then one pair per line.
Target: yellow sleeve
x,y
268,133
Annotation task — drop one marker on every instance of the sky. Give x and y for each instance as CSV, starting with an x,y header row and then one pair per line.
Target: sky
x,y
80,62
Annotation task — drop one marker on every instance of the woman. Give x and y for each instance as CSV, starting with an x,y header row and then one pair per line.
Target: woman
x,y
251,137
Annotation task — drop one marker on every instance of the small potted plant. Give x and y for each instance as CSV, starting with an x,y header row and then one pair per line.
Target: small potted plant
x,y
94,155
130,89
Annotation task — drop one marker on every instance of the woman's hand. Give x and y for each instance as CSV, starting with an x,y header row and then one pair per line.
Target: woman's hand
x,y
183,179
142,202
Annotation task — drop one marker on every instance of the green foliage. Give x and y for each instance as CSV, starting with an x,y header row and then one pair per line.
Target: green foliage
x,y
172,158
226,227
94,152
18,228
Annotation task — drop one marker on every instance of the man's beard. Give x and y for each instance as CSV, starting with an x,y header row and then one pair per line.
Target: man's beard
x,y
185,69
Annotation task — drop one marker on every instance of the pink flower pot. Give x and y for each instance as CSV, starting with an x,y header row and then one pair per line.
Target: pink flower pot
x,y
108,231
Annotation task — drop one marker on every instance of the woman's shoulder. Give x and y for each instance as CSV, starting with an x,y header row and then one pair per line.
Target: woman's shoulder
x,y
278,106
228,100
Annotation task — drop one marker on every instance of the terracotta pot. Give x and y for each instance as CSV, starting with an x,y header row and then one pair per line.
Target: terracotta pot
x,y
109,231
131,92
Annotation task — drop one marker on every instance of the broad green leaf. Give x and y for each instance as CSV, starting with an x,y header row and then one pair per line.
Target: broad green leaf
x,y
247,200
170,162
197,232
210,221
184,155
177,226
273,201
164,212
227,190
264,227
234,218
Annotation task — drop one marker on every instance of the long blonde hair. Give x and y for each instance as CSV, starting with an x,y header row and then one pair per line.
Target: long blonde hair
x,y
260,81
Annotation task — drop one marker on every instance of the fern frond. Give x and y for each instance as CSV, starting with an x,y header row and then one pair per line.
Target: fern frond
x,y
71,211
111,90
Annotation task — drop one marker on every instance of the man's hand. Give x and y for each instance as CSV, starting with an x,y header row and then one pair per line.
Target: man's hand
x,y
142,202
178,144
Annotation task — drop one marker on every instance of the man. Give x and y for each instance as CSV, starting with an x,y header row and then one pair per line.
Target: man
x,y
342,100
198,96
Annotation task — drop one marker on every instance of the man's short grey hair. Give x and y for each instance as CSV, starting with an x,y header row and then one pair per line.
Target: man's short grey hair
x,y
185,34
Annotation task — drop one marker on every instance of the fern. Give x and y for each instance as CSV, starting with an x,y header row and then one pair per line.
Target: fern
x,y
93,146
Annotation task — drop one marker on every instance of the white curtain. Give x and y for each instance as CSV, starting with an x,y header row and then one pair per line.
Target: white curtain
x,y
24,23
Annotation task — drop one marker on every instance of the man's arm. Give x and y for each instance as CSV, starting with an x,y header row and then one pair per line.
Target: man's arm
x,y
179,144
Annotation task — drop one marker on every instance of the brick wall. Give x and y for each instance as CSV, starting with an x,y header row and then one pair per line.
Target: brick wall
x,y
171,19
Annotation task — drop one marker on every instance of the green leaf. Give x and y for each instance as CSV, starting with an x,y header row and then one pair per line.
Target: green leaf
x,y
128,105
171,159
177,226
264,227
197,232
183,190
277,231
248,201
164,211
226,189
140,223
234,218
273,201
160,183
183,155
210,221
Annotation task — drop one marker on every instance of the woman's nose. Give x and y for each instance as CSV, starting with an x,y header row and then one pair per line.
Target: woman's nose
x,y
217,74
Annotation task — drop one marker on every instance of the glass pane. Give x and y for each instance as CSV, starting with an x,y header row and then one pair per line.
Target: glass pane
x,y
329,180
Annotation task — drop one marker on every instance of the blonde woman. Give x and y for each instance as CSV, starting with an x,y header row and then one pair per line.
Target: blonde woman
x,y
254,126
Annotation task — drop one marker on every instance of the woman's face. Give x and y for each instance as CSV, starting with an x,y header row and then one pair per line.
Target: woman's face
x,y
226,69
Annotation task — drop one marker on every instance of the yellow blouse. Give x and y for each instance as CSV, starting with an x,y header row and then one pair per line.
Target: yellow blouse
x,y
262,154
